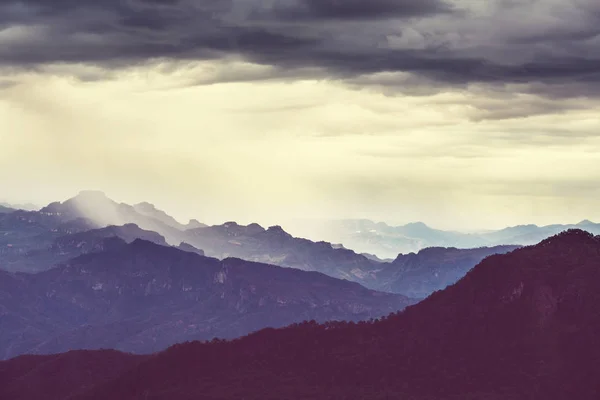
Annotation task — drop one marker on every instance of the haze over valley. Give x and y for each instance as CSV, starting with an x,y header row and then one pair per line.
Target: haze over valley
x,y
119,263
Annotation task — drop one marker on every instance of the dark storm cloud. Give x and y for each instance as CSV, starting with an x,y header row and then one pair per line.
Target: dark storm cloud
x,y
359,9
350,40
122,32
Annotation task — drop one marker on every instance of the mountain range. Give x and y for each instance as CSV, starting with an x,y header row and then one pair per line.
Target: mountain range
x,y
27,207
36,241
142,297
418,275
44,253
102,211
522,325
385,241
28,235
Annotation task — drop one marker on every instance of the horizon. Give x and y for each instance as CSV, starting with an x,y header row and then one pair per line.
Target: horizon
x,y
291,224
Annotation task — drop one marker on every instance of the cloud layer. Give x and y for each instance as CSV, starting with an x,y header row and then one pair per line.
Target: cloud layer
x,y
268,151
549,47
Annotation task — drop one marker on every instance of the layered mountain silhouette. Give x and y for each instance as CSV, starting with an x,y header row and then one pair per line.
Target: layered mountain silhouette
x,y
24,232
387,241
36,241
102,211
27,233
42,256
415,275
522,325
149,210
142,297
275,246
531,234
418,275
26,237
9,206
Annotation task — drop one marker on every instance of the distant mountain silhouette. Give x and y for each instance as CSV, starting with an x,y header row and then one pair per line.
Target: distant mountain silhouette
x,y
434,268
6,209
275,246
24,232
88,239
102,211
416,275
27,233
531,234
194,224
189,248
26,207
151,211
142,297
42,255
29,244
373,257
522,325
387,241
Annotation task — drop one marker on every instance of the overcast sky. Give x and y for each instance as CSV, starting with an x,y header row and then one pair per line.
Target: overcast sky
x,y
462,114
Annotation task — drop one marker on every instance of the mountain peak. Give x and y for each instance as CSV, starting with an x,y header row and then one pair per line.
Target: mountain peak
x,y
194,223
88,201
276,228
84,202
145,206
277,231
92,194
571,236
585,222
416,225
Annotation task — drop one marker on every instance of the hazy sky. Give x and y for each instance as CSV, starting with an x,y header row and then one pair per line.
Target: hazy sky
x,y
463,114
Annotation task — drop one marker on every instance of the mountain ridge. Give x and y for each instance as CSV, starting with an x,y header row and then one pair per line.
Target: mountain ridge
x,y
61,248
272,245
142,297
386,241
518,326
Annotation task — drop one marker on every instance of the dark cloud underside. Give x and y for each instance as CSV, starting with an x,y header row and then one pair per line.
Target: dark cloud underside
x,y
359,9
346,39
